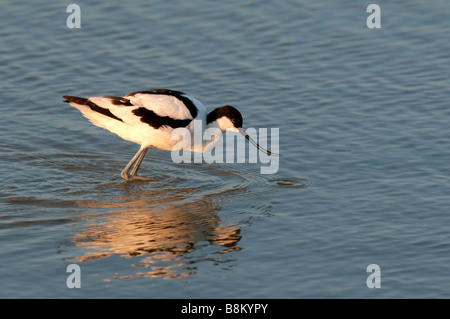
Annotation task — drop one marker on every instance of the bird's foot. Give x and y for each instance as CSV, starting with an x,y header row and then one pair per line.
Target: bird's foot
x,y
130,178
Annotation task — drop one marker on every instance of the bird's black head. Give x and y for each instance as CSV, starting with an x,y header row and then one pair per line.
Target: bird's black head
x,y
226,117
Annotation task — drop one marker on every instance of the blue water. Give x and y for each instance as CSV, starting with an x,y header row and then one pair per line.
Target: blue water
x,y
364,140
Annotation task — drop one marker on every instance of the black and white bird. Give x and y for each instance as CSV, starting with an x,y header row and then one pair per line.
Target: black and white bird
x,y
148,118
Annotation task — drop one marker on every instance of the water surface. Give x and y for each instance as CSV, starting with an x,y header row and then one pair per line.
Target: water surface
x,y
363,175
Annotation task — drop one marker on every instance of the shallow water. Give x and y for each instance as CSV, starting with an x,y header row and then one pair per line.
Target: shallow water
x,y
363,175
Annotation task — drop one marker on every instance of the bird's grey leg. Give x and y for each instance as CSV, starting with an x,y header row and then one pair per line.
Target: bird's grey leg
x,y
137,157
138,162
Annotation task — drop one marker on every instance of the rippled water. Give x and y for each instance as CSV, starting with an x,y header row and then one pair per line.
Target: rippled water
x,y
363,175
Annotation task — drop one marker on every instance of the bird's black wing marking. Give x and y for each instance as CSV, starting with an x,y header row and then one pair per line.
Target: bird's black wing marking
x,y
94,107
156,121
119,101
179,95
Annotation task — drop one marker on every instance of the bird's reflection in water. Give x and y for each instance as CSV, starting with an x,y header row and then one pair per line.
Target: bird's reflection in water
x,y
159,229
